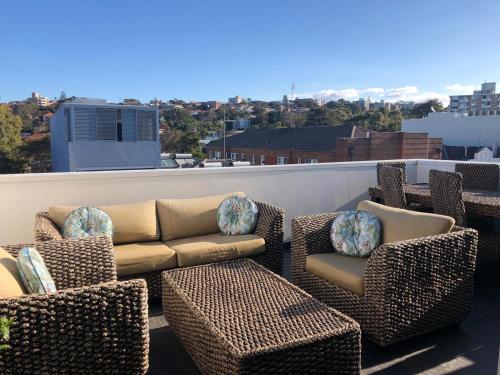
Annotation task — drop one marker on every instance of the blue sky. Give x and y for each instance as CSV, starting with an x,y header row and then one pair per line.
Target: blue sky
x,y
202,50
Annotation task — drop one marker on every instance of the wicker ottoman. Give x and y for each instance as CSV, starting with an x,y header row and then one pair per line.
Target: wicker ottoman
x,y
240,318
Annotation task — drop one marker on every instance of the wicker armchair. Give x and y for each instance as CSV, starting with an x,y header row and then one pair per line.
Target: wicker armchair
x,y
446,193
395,164
479,176
391,181
410,287
270,226
92,325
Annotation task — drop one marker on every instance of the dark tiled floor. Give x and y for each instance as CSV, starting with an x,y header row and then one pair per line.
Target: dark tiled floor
x,y
472,348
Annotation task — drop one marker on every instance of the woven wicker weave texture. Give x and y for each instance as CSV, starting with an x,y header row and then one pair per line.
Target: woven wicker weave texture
x,y
392,181
394,164
256,323
270,226
410,287
479,176
92,325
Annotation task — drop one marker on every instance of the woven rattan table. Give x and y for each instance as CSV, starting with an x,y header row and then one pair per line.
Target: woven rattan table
x,y
478,202
240,318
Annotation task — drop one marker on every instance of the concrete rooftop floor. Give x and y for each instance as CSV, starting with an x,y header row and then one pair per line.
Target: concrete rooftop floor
x,y
472,348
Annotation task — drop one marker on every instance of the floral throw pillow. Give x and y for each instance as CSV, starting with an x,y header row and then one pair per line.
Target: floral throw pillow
x,y
237,215
87,222
34,274
356,233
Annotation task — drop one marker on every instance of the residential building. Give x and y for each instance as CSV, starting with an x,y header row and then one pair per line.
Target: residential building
x,y
46,117
484,102
241,123
88,136
323,144
457,129
236,100
39,100
364,103
213,104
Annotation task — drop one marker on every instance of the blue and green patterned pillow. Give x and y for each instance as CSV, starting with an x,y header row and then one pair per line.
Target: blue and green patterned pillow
x,y
356,233
237,215
85,222
34,274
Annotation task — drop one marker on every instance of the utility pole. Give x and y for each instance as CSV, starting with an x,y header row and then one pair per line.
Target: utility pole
x,y
224,133
291,105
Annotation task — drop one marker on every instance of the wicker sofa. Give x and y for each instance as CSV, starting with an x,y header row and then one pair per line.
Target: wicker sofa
x,y
93,324
405,288
154,236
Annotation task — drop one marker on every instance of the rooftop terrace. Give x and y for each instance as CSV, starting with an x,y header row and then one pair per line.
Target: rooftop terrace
x,y
472,348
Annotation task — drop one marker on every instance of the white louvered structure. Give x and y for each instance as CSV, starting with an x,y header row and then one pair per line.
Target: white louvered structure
x,y
101,136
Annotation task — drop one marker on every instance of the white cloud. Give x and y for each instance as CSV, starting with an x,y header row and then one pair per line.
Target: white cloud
x,y
458,89
393,94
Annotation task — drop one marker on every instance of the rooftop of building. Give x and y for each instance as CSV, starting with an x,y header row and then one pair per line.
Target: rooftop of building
x,y
321,138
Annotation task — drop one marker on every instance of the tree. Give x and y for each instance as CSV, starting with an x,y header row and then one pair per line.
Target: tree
x,y
131,101
423,109
11,159
29,113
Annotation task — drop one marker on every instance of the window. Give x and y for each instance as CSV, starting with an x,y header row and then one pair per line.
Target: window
x,y
210,154
253,159
146,125
262,159
106,124
311,161
234,156
299,160
218,155
243,157
282,160
67,125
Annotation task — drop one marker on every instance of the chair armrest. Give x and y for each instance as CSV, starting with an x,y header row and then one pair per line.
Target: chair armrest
x,y
100,329
75,263
414,282
45,228
270,224
310,235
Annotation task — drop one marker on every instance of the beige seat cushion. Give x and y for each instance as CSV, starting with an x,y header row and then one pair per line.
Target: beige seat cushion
x,y
401,225
345,271
143,257
133,222
11,284
215,248
182,218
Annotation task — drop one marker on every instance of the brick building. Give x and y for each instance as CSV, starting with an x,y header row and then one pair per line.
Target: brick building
x,y
323,145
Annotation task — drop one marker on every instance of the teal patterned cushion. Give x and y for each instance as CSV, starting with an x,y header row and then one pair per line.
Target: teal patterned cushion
x,y
87,222
237,215
36,278
356,233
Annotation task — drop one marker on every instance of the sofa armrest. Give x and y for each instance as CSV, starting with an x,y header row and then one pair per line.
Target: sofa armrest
x,y
270,226
45,228
75,263
415,282
100,329
310,235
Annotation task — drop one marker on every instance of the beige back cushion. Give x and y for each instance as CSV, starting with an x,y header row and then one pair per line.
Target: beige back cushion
x,y
401,225
181,218
133,222
11,284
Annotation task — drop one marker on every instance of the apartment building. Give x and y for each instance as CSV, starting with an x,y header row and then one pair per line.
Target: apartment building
x,y
484,102
39,100
322,145
92,136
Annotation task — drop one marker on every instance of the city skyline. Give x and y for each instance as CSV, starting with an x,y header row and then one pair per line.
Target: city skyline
x,y
118,50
